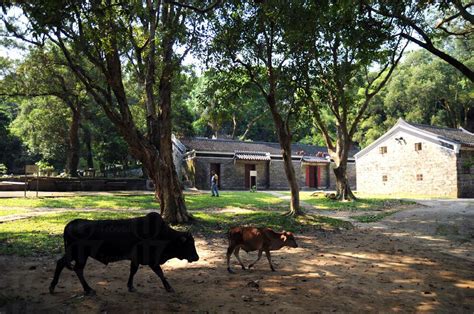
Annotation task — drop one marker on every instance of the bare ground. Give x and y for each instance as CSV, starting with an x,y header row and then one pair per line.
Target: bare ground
x,y
359,270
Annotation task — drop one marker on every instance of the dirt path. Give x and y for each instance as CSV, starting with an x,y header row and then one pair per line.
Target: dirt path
x,y
397,265
444,225
350,271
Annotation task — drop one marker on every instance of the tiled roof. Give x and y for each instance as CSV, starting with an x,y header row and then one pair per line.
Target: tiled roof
x,y
231,146
314,159
455,135
243,155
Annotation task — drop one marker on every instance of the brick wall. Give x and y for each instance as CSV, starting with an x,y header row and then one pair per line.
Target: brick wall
x,y
401,165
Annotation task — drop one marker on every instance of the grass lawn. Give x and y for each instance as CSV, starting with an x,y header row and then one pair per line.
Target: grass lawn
x,y
96,201
319,201
211,223
11,211
42,235
241,199
193,201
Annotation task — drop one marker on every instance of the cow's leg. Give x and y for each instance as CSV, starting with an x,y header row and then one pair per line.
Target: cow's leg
x,y
230,249
79,269
159,272
61,263
133,271
236,253
267,253
258,258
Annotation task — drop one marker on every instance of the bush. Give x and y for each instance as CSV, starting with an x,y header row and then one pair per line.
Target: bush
x,y
3,169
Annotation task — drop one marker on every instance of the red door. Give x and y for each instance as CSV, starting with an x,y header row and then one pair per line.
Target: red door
x,y
312,176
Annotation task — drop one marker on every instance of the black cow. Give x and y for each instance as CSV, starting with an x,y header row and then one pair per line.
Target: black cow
x,y
144,241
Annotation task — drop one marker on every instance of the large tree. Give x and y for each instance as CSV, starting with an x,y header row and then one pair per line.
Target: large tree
x,y
110,35
248,36
228,103
43,73
423,89
430,24
336,52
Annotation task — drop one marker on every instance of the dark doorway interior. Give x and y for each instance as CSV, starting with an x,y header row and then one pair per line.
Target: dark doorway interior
x,y
248,168
215,168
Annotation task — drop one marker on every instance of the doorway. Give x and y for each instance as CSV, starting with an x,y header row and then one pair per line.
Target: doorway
x,y
248,168
313,176
215,168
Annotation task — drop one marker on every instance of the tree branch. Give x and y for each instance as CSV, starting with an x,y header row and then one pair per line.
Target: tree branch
x,y
196,9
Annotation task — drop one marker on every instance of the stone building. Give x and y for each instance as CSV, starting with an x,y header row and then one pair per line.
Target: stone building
x,y
241,165
418,160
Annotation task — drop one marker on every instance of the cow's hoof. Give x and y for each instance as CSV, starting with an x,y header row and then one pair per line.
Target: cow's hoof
x,y
273,269
132,289
170,289
90,293
243,267
230,271
250,266
51,289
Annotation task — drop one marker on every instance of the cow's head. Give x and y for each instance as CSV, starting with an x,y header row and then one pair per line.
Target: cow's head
x,y
187,248
288,239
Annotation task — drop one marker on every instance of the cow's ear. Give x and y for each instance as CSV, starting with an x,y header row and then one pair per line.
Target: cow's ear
x,y
283,237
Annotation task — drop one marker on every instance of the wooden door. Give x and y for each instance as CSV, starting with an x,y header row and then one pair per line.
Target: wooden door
x,y
312,176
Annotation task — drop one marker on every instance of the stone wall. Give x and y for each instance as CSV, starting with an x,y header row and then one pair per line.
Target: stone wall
x,y
270,175
232,176
278,180
401,164
350,173
465,166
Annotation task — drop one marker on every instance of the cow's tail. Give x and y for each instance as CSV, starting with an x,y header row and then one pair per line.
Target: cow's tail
x,y
67,254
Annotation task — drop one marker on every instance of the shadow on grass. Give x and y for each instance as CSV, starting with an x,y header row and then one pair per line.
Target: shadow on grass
x,y
218,223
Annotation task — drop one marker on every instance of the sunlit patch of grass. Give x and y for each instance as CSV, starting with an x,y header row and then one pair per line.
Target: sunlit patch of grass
x,y
43,234
239,199
95,201
320,201
8,211
193,201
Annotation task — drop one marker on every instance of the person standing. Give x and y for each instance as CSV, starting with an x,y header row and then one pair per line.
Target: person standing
x,y
214,183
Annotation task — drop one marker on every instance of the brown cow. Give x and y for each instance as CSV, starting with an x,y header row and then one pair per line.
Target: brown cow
x,y
253,239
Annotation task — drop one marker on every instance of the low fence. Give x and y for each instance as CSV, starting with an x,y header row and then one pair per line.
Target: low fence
x,y
72,184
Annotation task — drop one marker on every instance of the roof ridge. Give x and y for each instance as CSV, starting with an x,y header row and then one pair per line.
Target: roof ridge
x,y
246,142
434,126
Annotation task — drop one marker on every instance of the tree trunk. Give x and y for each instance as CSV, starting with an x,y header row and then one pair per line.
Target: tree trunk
x,y
343,189
284,138
285,144
73,147
88,144
172,205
